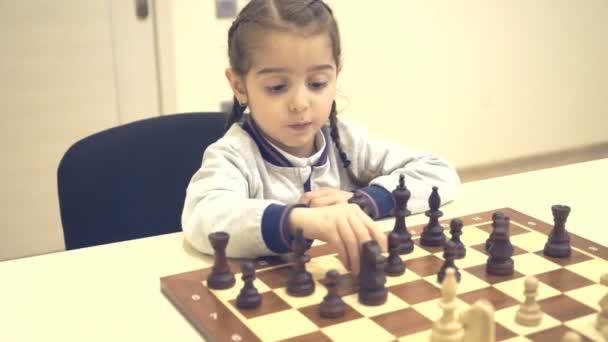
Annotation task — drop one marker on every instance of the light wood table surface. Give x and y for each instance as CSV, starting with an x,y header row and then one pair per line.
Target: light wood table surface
x,y
112,292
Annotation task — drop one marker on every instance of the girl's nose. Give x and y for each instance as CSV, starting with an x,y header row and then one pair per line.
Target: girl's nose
x,y
299,101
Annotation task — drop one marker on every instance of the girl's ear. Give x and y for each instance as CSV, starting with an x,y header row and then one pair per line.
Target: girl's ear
x,y
237,84
338,69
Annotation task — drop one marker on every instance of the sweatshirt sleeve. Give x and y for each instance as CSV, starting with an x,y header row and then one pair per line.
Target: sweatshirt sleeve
x,y
218,199
422,171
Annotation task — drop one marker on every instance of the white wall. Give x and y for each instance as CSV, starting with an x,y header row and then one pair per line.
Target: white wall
x,y
477,81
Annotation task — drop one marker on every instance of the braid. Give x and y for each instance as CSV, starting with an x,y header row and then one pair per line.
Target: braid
x,y
236,115
335,136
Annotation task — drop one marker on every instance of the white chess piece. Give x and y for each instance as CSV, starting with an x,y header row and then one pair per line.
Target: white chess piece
x,y
478,322
529,313
448,328
602,316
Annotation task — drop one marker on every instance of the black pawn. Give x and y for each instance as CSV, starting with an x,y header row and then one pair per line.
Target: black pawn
x,y
300,282
496,216
394,265
372,276
449,254
455,232
332,305
500,262
433,235
401,196
220,276
558,243
248,298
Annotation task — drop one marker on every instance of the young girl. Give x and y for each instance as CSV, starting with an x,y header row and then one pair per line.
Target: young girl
x,y
289,163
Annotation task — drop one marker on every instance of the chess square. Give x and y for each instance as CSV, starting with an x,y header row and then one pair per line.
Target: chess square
x,y
515,339
316,336
529,242
472,235
515,289
514,229
482,249
480,272
415,253
506,317
531,264
589,295
312,312
553,334
563,279
564,308
275,277
585,326
575,257
364,329
406,277
591,269
472,258
499,299
430,249
424,266
393,303
231,293
298,302
503,333
423,336
271,303
467,283
270,328
403,322
416,291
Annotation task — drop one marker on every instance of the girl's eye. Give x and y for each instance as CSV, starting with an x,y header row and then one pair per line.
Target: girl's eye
x,y
317,85
277,88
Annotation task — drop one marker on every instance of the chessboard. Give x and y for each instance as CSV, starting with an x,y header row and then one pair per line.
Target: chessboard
x,y
569,291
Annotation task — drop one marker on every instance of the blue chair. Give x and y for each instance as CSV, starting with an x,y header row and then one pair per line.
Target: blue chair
x,y
130,181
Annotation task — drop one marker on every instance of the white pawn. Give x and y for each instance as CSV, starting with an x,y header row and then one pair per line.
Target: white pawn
x,y
448,328
571,336
478,322
602,316
529,313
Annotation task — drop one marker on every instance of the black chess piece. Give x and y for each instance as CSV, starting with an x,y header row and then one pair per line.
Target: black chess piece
x,y
558,243
401,196
300,282
372,276
332,305
455,232
220,276
394,265
501,250
433,235
496,216
449,254
248,298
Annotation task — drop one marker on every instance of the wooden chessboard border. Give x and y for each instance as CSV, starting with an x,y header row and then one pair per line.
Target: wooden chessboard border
x,y
196,302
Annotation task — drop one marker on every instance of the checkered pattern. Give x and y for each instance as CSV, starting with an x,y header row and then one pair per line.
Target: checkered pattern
x,y
568,293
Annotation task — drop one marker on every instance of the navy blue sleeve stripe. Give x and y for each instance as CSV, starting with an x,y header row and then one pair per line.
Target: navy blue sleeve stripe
x,y
275,227
380,200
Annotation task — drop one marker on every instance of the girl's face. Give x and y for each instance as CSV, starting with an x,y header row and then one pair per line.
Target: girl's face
x,y
290,88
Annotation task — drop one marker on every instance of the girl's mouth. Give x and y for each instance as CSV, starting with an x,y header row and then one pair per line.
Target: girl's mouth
x,y
301,126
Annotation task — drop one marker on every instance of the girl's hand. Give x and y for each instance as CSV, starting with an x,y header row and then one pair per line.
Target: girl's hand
x,y
344,226
324,197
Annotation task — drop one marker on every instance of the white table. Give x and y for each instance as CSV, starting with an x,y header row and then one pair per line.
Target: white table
x,y
112,292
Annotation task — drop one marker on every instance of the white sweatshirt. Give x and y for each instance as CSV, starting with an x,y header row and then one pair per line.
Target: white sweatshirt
x,y
247,187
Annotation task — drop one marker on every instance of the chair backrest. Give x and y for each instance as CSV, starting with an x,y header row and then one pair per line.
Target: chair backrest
x,y
129,181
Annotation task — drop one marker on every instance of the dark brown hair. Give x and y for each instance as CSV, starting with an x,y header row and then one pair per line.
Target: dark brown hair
x,y
304,16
